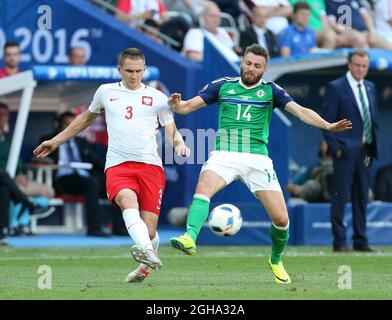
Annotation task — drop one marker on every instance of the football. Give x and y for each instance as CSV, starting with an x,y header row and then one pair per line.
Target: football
x,y
225,220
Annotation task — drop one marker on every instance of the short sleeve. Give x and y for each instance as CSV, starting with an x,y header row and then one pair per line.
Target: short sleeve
x,y
285,38
330,10
194,41
280,96
210,92
96,106
165,114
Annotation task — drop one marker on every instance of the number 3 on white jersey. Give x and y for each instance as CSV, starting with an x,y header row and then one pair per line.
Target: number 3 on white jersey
x,y
246,113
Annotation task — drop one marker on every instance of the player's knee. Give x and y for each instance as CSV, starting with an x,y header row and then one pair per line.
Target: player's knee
x,y
359,40
124,201
203,187
281,222
329,40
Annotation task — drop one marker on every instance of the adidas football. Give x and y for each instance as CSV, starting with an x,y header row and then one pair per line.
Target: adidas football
x,y
225,220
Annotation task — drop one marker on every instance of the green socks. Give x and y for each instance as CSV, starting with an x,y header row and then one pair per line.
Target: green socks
x,y
197,214
279,237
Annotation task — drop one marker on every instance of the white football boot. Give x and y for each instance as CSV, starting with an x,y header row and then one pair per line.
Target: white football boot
x,y
146,256
138,275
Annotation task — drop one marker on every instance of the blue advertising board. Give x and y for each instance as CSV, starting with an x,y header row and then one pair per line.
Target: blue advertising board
x,y
313,226
85,73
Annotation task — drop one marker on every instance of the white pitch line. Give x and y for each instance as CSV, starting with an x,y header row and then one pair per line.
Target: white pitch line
x,y
220,254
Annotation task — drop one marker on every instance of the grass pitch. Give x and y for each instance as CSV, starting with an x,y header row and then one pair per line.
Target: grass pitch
x,y
213,273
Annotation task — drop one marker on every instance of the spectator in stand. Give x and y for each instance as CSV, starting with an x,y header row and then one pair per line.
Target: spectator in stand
x,y
258,32
383,19
326,36
9,191
151,28
194,39
20,217
314,183
76,56
278,13
298,38
361,30
11,57
96,134
73,180
137,12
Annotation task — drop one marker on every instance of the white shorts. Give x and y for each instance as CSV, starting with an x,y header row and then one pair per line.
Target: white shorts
x,y
255,170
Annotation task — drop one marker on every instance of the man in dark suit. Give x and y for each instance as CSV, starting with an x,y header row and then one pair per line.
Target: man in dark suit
x,y
258,32
79,181
352,152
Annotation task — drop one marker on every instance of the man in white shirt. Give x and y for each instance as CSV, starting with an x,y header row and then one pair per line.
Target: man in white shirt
x,y
279,11
258,32
194,39
137,11
383,19
135,180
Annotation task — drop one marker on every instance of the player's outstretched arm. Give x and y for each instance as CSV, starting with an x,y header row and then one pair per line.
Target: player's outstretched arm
x,y
176,141
312,118
185,106
80,123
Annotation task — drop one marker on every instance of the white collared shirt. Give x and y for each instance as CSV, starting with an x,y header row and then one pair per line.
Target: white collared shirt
x,y
354,87
260,32
275,23
65,159
383,14
194,42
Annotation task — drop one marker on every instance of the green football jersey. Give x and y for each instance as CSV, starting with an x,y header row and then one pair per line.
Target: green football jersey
x,y
317,9
244,113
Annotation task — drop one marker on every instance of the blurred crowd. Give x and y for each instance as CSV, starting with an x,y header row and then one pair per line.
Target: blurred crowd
x,y
22,196
284,27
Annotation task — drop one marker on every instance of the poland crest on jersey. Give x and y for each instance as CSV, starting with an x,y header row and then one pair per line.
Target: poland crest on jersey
x,y
147,101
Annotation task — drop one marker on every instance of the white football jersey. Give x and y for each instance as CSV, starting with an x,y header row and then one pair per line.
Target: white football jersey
x,y
133,119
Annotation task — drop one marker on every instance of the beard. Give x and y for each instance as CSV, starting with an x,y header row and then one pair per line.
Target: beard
x,y
250,79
